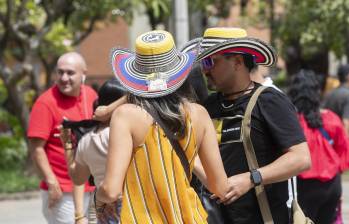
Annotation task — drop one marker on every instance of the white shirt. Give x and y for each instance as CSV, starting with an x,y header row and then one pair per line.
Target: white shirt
x,y
92,152
269,82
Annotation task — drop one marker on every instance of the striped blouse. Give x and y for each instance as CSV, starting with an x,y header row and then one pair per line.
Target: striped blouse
x,y
156,189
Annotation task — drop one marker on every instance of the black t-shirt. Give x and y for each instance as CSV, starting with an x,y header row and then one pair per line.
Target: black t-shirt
x,y
275,128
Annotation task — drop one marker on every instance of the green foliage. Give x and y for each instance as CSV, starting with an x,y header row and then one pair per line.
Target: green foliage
x,y
316,24
58,40
158,11
218,8
78,20
281,79
12,145
16,181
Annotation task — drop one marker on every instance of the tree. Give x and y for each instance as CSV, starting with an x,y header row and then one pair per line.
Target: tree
x,y
36,32
308,30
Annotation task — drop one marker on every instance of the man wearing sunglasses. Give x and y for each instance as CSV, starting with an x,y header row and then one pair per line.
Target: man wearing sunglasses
x,y
227,57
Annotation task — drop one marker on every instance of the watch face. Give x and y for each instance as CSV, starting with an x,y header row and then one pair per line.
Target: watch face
x,y
256,177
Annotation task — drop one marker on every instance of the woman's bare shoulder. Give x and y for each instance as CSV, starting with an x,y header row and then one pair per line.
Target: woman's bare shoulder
x,y
127,109
131,113
197,110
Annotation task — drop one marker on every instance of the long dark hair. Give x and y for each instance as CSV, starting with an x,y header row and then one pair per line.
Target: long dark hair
x,y
305,95
169,107
109,92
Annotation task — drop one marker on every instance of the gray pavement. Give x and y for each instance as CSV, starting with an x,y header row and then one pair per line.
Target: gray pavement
x,y
28,211
345,201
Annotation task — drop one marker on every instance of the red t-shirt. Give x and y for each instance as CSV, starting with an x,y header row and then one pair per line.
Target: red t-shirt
x,y
327,160
46,115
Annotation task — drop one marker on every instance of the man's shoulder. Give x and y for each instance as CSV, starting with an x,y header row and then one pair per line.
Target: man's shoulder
x,y
89,89
340,92
47,96
271,95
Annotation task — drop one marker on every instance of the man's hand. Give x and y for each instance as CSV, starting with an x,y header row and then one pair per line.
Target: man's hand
x,y
54,193
238,185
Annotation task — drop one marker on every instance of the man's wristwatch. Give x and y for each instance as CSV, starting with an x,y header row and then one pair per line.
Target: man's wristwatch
x,y
256,177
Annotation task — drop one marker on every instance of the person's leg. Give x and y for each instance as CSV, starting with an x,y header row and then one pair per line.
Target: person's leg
x,y
92,218
63,212
45,210
310,191
327,212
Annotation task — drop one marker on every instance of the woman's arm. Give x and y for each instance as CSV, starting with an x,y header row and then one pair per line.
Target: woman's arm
x,y
211,160
78,197
119,155
103,113
200,172
79,173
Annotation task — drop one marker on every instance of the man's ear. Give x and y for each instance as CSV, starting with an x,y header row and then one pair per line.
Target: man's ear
x,y
83,78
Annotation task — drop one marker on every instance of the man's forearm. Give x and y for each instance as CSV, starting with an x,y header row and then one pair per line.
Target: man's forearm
x,y
294,161
40,159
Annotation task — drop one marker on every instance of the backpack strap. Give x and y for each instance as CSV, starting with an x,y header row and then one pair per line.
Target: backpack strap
x,y
325,134
251,156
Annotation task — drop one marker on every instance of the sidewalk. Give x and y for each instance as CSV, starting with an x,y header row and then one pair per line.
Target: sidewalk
x,y
28,211
345,189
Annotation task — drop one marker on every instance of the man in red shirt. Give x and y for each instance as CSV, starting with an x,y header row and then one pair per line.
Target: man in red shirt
x,y
72,100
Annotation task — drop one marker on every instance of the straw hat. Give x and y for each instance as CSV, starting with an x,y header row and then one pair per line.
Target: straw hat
x,y
221,40
156,69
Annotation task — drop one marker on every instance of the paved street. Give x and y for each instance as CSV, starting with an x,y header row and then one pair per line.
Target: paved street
x,y
21,211
346,202
29,211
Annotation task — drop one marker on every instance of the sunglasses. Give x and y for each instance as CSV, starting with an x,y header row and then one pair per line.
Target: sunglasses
x,y
208,63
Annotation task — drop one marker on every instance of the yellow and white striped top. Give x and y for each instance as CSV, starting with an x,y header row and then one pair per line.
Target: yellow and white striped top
x,y
156,189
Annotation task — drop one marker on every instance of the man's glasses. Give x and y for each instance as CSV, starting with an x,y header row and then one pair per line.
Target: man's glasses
x,y
207,63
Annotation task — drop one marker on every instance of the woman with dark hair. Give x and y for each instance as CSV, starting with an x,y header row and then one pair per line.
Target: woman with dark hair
x,y
144,163
86,153
91,151
328,146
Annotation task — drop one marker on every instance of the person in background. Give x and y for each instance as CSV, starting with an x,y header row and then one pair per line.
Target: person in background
x,y
89,156
70,99
329,149
142,164
338,99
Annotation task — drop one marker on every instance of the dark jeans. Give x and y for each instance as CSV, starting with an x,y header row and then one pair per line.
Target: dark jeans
x,y
319,199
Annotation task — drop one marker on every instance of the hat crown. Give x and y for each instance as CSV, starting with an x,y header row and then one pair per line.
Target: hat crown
x,y
155,52
223,40
216,35
225,32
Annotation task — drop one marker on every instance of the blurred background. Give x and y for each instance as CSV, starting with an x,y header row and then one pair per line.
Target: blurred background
x,y
312,34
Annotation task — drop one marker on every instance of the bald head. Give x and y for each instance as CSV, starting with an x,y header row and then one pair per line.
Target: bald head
x,y
73,58
71,68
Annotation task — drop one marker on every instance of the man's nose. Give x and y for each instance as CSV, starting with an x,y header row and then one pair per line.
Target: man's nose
x,y
64,77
